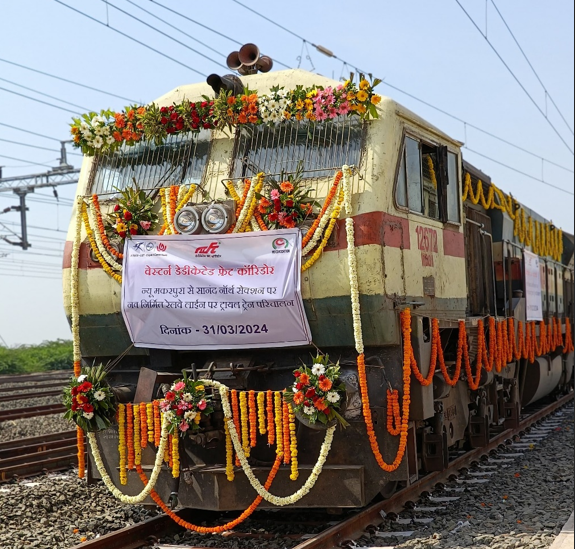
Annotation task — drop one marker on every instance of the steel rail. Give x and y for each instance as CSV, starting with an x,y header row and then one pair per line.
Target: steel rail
x,y
147,532
31,411
26,396
31,387
41,376
356,525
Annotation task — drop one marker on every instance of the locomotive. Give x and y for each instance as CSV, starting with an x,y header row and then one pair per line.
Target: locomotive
x,y
419,245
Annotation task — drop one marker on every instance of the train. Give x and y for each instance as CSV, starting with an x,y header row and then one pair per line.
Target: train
x,y
433,235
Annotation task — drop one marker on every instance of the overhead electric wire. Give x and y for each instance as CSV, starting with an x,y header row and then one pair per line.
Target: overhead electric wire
x,y
515,77
67,80
163,33
38,100
27,161
521,172
44,94
34,146
532,67
31,132
208,28
131,38
414,97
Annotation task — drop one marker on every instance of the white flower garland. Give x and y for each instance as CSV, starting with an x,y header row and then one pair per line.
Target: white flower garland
x,y
74,296
153,477
92,217
248,203
318,235
352,263
254,225
257,486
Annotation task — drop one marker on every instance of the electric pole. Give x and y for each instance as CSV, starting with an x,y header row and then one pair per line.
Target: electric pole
x,y
22,185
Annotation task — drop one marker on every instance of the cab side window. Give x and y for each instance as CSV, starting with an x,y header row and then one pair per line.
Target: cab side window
x,y
427,181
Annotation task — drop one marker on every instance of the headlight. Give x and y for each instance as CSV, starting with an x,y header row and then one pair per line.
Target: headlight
x,y
217,218
188,220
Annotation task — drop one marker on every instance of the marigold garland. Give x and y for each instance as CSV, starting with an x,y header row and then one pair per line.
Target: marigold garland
x,y
261,398
286,434
122,450
245,418
230,475
137,434
81,452
393,413
278,409
241,205
100,222
130,435
326,204
165,227
150,421
237,418
157,423
187,197
271,427
293,444
143,425
568,337
218,529
172,204
175,456
107,269
253,419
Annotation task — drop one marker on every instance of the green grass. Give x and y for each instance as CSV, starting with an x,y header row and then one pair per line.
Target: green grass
x,y
49,355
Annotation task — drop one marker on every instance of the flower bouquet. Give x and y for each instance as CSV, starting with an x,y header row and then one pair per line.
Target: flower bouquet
x,y
89,400
317,394
287,204
184,404
133,214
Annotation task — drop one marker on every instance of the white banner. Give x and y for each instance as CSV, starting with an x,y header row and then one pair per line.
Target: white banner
x,y
533,298
233,291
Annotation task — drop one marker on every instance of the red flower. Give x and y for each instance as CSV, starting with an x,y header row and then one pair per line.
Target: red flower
x,y
179,412
74,406
122,234
134,230
85,387
81,399
204,104
289,203
277,205
164,110
174,116
297,373
307,403
170,396
273,217
299,386
88,408
164,120
310,392
117,208
127,215
74,391
322,377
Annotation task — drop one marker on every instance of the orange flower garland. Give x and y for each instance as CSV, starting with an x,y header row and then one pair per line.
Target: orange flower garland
x,y
278,407
81,452
130,435
218,529
568,337
253,419
244,414
393,413
102,230
271,428
240,206
333,191
172,205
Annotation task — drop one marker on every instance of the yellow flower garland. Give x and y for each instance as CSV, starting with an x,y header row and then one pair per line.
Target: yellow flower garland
x,y
432,175
293,444
150,414
334,217
137,441
233,193
175,456
186,198
253,204
230,475
278,404
262,413
164,201
122,450
245,423
107,269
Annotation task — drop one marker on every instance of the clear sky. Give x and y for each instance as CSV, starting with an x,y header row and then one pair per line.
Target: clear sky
x,y
428,49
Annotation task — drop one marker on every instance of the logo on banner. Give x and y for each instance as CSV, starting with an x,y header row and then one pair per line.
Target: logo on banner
x,y
280,246
161,247
149,246
208,251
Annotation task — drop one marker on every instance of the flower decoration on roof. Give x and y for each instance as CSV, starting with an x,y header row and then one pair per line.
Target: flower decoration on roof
x,y
108,130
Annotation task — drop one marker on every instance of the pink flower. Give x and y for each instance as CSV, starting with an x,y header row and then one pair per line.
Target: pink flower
x,y
184,426
275,194
179,386
202,405
164,406
344,108
145,225
320,115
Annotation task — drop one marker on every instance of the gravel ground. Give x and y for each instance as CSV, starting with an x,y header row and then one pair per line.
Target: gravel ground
x,y
524,505
24,403
59,510
30,427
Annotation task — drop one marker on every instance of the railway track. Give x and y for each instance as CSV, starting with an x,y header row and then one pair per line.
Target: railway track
x,y
31,411
30,456
147,533
26,396
34,378
38,387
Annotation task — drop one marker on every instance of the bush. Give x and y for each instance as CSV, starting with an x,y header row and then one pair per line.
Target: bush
x,y
49,355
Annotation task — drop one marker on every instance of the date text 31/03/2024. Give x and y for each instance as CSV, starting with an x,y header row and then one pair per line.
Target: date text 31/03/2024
x,y
217,329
